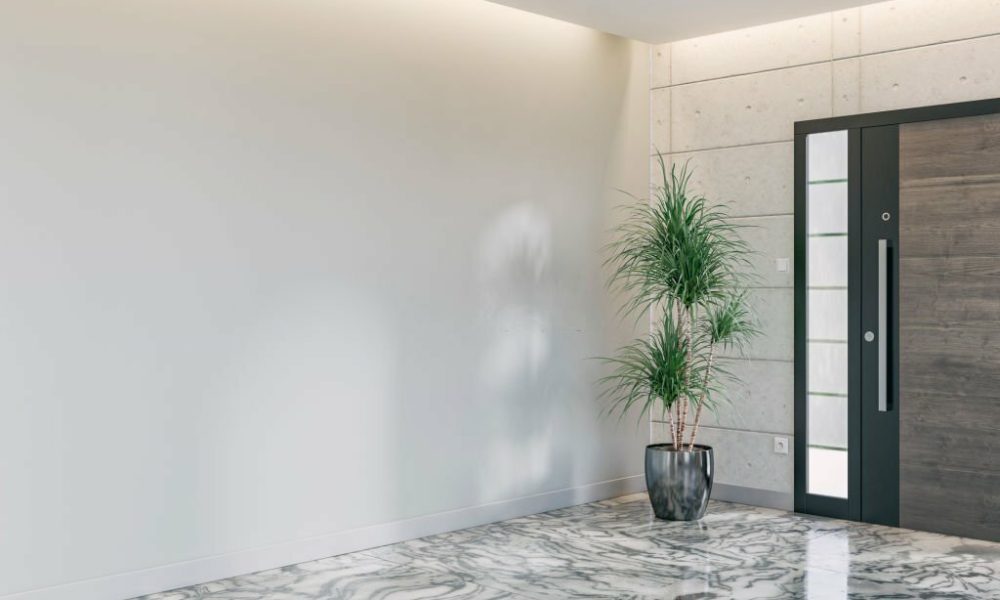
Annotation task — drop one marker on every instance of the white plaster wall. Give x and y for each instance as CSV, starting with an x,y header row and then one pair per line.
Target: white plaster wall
x,y
277,270
727,104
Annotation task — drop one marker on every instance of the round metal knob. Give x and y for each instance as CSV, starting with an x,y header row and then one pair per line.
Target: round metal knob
x,y
869,336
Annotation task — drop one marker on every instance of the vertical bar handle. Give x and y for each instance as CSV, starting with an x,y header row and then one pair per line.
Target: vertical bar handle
x,y
883,325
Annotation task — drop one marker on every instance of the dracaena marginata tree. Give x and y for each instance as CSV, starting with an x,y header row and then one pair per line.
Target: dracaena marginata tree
x,y
678,259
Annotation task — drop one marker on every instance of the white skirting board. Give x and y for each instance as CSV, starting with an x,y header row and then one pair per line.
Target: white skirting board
x,y
137,583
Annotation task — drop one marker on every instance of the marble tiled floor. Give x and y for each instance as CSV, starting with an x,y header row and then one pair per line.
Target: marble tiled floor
x,y
616,549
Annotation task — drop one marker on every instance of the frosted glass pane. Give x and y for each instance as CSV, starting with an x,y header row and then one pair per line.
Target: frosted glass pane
x,y
827,261
827,316
827,210
826,313
827,369
826,155
827,472
827,421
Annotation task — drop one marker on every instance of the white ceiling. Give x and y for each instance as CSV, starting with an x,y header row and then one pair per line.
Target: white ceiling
x,y
658,21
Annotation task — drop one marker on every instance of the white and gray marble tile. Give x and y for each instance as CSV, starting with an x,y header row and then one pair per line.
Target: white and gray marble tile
x,y
617,549
348,577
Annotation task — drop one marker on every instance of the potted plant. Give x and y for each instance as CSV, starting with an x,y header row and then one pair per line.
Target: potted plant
x,y
678,259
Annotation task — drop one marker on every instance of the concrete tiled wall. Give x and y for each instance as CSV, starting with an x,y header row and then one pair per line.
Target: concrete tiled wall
x,y
726,104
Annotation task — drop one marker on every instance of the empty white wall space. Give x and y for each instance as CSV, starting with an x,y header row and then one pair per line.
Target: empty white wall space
x,y
280,280
726,104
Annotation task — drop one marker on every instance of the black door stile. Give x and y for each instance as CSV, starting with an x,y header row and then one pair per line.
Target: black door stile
x,y
879,221
799,325
855,255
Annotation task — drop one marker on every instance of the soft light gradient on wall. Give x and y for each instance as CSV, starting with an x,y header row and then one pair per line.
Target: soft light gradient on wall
x,y
272,270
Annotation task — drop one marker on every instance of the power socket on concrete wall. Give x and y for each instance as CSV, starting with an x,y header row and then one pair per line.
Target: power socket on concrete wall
x,y
780,445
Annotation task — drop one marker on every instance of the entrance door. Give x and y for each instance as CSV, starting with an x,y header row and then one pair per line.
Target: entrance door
x,y
897,337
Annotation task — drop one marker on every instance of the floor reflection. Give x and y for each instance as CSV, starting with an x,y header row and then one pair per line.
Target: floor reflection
x,y
828,562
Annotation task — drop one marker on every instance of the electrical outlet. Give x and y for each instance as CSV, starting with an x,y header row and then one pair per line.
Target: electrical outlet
x,y
781,445
782,264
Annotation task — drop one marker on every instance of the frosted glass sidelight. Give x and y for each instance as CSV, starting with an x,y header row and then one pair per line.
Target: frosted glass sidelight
x,y
827,156
827,370
827,261
827,208
827,307
828,422
827,472
827,314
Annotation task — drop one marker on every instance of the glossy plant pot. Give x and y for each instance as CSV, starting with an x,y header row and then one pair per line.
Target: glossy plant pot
x,y
679,481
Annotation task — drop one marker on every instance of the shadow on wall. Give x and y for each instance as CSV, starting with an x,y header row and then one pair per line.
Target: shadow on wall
x,y
517,363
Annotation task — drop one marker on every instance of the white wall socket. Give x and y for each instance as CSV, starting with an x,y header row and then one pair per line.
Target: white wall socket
x,y
782,264
780,445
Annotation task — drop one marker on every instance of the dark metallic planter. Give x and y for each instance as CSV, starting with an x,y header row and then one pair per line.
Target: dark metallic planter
x,y
679,481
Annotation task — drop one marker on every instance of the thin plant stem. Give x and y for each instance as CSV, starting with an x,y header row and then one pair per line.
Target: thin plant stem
x,y
673,437
701,400
688,334
680,418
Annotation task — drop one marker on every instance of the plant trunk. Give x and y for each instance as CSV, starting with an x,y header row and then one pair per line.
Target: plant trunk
x,y
673,435
683,409
677,433
701,401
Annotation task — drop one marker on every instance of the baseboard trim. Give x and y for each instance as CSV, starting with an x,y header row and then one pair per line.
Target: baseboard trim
x,y
753,496
137,583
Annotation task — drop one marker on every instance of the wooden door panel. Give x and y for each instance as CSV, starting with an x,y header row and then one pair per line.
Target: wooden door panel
x,y
956,218
949,326
949,500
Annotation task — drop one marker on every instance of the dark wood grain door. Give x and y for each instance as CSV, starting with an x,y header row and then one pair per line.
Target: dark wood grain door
x,y
949,326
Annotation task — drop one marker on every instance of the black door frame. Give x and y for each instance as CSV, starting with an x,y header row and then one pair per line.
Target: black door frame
x,y
873,149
